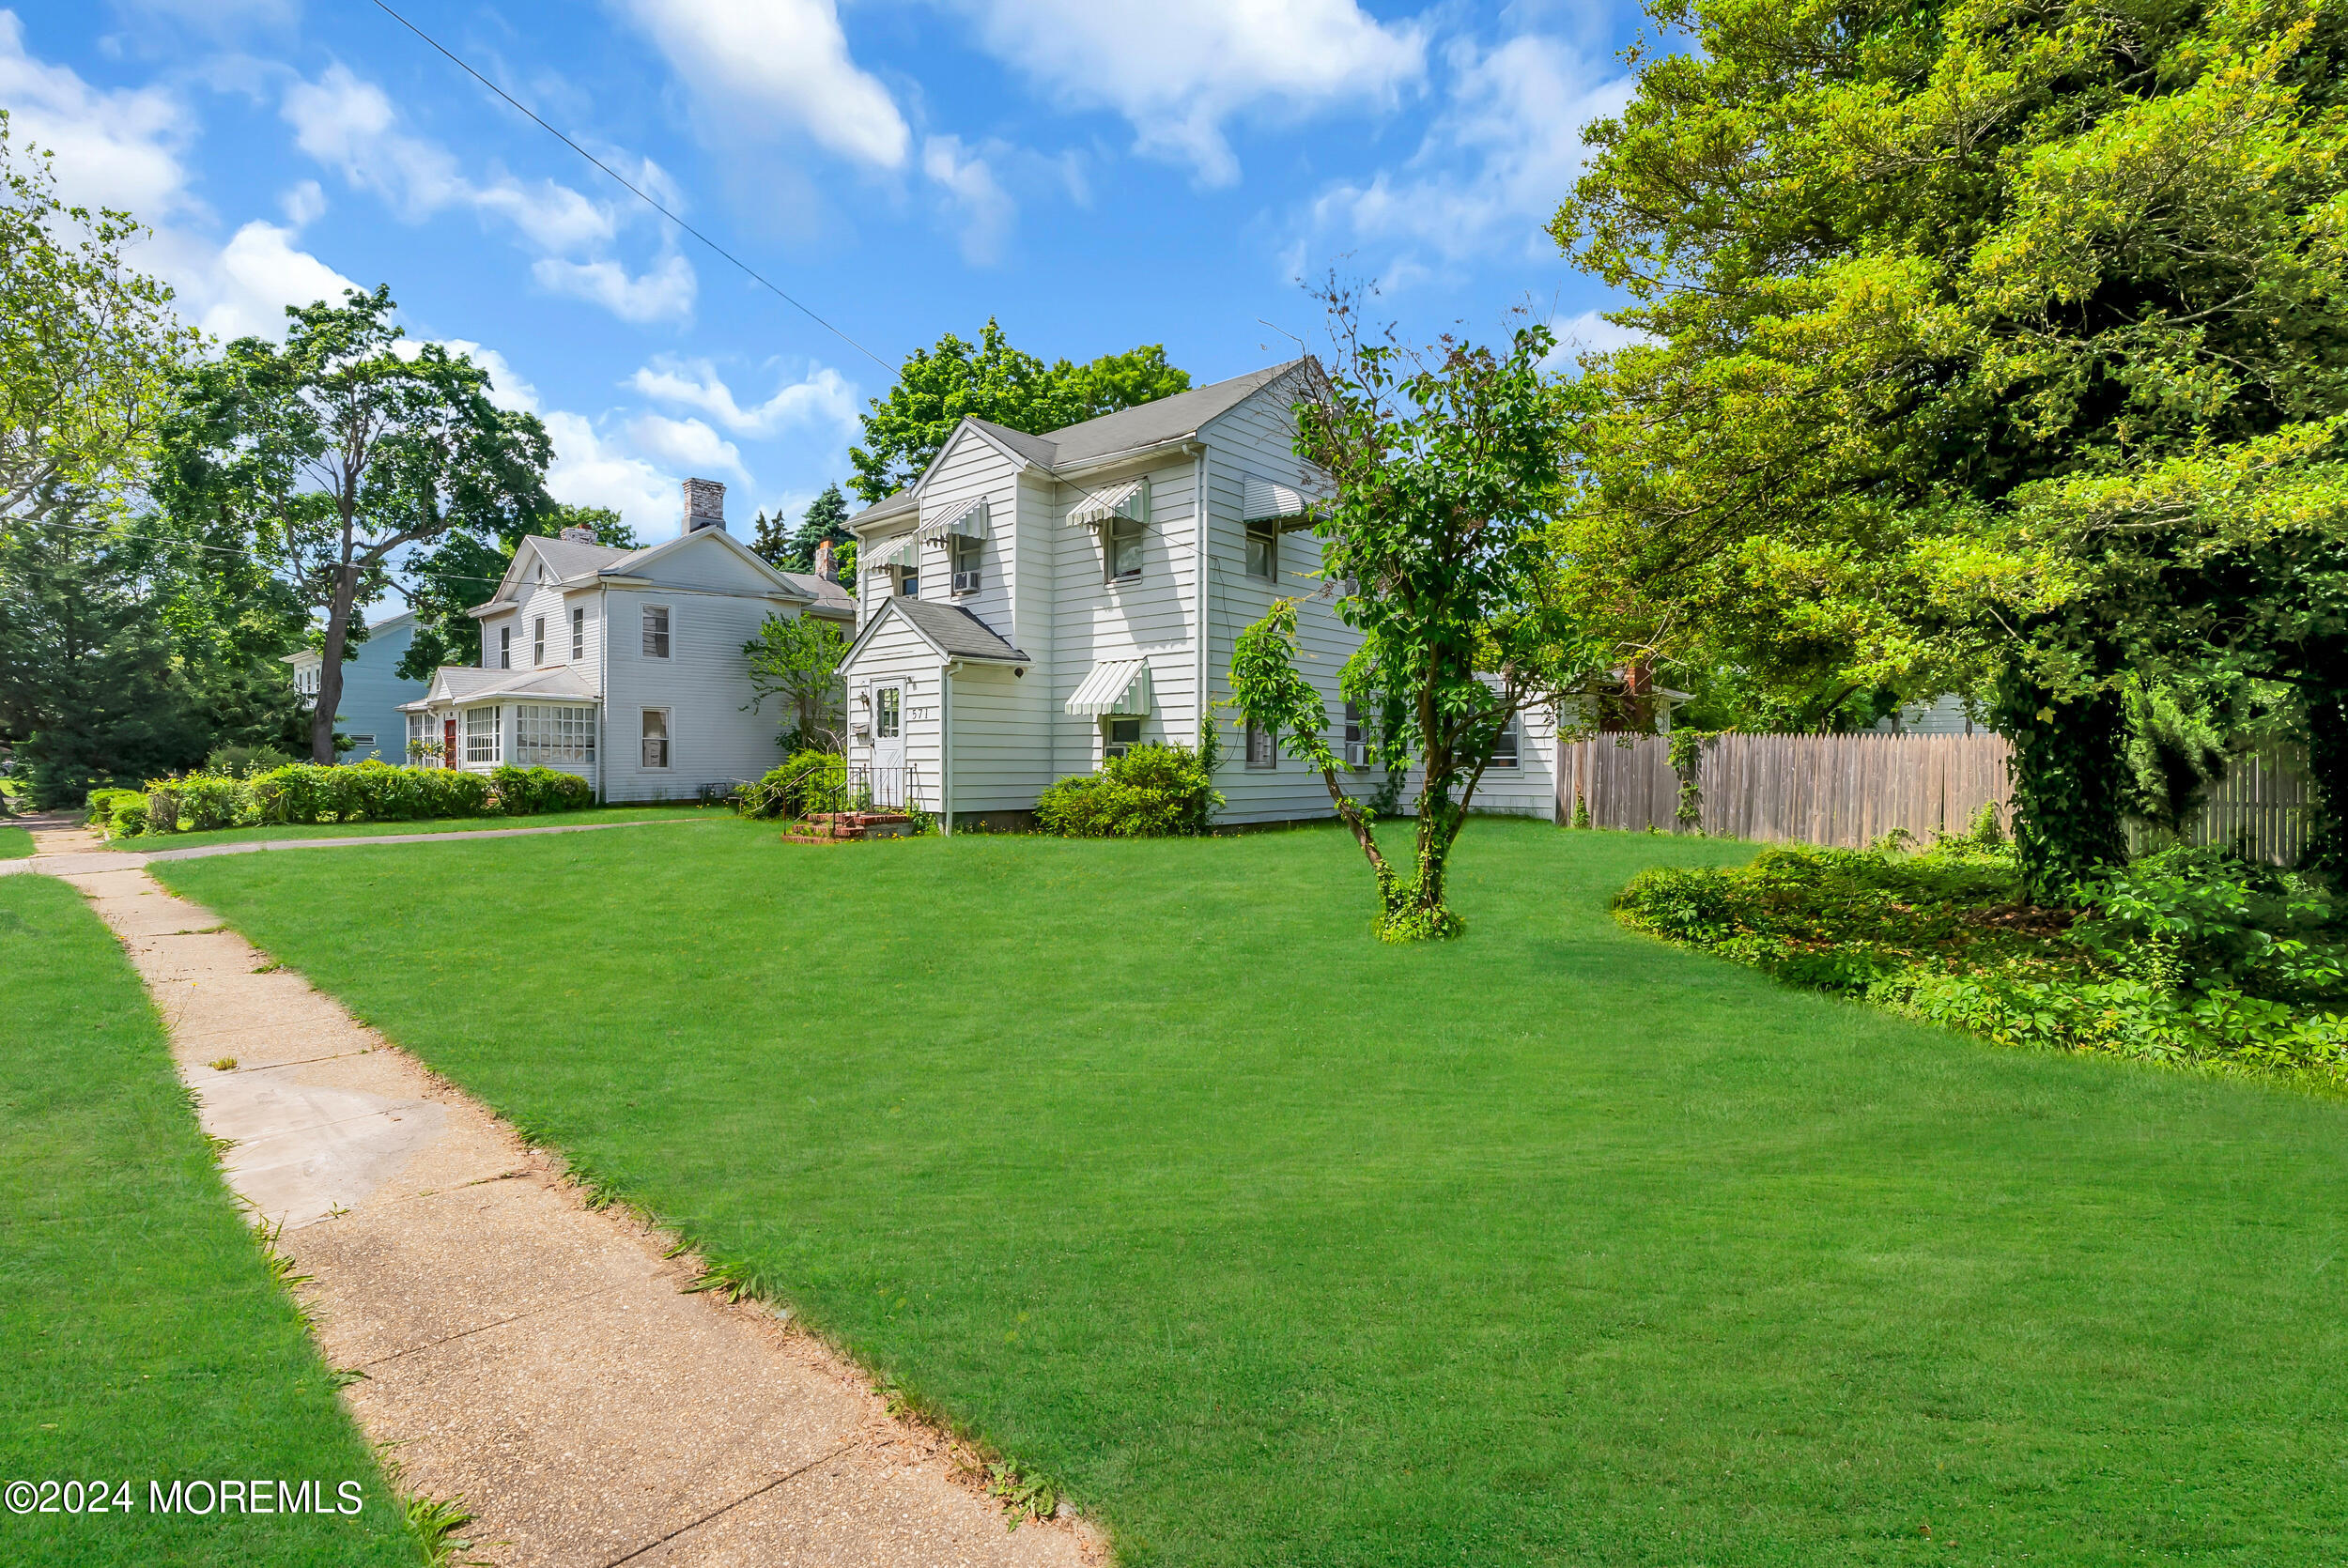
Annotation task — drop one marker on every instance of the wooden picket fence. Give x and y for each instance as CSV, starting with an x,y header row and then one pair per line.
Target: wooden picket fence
x,y
1851,790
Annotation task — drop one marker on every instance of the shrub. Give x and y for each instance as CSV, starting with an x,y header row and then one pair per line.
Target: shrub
x,y
162,809
526,791
128,818
1152,791
244,761
102,803
810,783
210,801
2185,955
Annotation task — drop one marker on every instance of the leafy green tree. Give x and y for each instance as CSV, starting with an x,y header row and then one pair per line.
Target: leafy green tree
x,y
334,452
463,569
797,658
1449,471
994,381
1916,279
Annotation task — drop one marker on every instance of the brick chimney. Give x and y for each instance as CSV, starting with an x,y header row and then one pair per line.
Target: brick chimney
x,y
577,535
704,504
825,567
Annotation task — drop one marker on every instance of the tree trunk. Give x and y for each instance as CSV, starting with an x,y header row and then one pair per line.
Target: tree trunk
x,y
330,697
2070,775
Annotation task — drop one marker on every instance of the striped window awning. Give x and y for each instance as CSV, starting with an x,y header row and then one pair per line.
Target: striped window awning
x,y
968,522
1130,499
1263,498
1119,686
904,549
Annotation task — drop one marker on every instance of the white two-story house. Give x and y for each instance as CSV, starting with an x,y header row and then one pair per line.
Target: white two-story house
x,y
1032,604
625,666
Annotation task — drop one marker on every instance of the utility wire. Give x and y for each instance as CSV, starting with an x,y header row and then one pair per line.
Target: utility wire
x,y
748,271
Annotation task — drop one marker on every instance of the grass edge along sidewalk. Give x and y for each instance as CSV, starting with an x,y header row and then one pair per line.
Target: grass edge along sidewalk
x,y
152,843
1273,1244
15,843
142,1336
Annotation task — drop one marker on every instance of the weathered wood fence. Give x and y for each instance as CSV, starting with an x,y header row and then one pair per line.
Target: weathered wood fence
x,y
1851,790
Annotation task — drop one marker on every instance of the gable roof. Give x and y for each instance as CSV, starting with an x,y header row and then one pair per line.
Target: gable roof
x,y
462,682
1147,424
952,631
567,560
824,597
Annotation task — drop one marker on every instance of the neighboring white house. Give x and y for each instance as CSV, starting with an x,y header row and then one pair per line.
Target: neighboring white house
x,y
1032,603
369,713
625,666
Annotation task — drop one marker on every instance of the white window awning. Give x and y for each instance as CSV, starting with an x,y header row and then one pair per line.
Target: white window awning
x,y
1263,500
904,549
1120,686
969,522
1130,499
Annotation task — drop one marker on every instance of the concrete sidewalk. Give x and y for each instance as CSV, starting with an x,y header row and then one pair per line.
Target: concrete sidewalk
x,y
536,1359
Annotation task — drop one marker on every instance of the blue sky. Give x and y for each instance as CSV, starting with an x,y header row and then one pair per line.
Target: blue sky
x,y
1096,174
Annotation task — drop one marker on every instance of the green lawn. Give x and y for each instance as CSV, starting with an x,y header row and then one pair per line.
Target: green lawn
x,y
145,842
141,1338
15,843
1552,1245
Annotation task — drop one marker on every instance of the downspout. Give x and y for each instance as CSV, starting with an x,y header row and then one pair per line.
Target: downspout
x,y
945,746
603,694
1198,572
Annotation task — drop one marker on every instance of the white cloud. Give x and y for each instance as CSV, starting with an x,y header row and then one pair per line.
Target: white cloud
x,y
1178,69
687,444
1497,162
589,470
979,209
663,292
351,125
823,398
755,67
1589,333
303,204
125,149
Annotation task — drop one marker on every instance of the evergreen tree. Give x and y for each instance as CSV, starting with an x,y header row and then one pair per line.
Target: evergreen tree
x,y
769,541
826,517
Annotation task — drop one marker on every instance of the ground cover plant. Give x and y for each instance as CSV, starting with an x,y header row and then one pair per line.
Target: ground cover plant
x,y
2188,955
141,1334
1554,1244
264,833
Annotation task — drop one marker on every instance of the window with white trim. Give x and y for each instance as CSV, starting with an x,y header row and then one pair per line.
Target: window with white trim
x,y
1121,545
908,582
578,634
549,732
655,737
1119,736
1263,549
1261,752
657,635
424,734
1356,743
1505,745
963,555
484,730
537,641
506,647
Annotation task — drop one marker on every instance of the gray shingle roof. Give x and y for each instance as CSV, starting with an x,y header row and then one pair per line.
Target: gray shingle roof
x,y
1145,424
571,559
830,598
961,634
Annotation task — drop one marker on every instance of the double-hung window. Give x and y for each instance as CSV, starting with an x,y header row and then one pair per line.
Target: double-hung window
x,y
483,728
1261,752
1264,551
655,737
965,555
656,636
1119,736
909,582
537,641
1504,744
1357,745
1121,548
506,647
578,634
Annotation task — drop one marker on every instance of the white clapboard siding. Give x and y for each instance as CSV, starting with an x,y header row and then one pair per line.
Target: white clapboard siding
x,y
1148,617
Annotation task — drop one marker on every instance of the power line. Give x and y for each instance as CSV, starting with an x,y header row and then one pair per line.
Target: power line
x,y
748,271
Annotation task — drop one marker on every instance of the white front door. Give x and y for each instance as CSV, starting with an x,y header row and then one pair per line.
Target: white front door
x,y
888,734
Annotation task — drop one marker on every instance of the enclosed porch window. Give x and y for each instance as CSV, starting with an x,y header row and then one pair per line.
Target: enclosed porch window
x,y
484,734
544,733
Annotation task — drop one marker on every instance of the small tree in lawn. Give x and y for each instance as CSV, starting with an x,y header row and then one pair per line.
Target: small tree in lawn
x,y
797,658
335,451
1448,465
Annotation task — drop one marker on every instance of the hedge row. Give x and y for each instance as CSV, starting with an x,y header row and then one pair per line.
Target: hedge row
x,y
369,791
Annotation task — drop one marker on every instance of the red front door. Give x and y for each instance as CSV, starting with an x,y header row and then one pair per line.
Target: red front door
x,y
448,743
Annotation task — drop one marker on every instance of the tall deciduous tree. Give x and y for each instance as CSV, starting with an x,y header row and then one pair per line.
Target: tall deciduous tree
x,y
994,381
1918,280
334,452
1449,475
